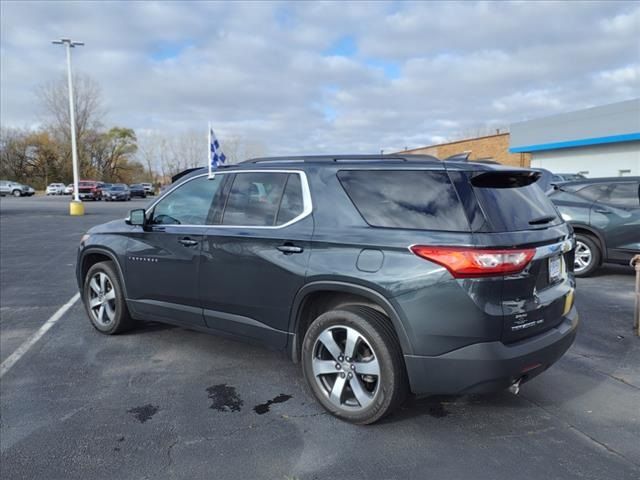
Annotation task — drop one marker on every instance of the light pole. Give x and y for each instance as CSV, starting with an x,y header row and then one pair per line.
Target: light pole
x,y
76,209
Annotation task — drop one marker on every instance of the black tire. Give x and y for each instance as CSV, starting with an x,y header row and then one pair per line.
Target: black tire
x,y
378,338
588,255
121,321
16,193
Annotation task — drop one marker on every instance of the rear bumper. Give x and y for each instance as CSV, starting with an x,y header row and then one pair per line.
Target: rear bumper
x,y
490,366
88,195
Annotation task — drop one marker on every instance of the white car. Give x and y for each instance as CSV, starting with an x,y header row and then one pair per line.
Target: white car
x,y
56,189
7,187
148,188
68,189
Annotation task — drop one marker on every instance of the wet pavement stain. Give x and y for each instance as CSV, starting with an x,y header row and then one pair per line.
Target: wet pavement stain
x,y
224,398
144,412
436,409
264,407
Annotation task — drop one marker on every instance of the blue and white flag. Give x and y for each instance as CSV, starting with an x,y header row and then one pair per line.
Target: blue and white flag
x,y
216,157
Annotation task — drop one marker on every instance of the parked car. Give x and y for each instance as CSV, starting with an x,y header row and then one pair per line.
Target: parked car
x,y
567,177
7,187
379,277
116,191
137,190
68,190
605,215
55,189
90,190
148,188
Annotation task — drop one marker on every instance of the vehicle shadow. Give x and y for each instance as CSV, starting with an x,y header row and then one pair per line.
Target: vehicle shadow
x,y
612,269
441,406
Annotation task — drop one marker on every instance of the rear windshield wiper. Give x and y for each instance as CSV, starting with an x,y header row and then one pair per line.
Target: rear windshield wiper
x,y
541,220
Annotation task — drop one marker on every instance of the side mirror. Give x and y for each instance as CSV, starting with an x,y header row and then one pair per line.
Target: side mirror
x,y
137,217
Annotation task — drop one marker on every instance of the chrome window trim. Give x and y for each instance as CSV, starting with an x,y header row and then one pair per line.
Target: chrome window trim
x,y
307,203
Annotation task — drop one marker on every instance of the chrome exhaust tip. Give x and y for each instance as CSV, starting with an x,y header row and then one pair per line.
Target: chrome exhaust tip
x,y
515,387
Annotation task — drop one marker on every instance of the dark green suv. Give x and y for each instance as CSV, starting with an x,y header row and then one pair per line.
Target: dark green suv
x,y
605,214
380,275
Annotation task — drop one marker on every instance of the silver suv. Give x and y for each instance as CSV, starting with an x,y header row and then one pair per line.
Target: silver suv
x,y
16,189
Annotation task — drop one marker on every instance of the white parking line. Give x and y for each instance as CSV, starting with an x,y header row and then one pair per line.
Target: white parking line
x,y
24,348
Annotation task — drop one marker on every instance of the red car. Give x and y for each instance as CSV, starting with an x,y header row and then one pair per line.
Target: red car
x,y
90,189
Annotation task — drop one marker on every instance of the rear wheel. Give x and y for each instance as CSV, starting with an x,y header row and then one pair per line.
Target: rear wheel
x,y
104,299
587,256
16,193
353,364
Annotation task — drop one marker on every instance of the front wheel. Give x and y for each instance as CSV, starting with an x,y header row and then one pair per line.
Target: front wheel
x,y
587,255
353,363
104,299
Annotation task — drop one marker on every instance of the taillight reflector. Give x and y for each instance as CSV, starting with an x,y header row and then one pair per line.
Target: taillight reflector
x,y
468,262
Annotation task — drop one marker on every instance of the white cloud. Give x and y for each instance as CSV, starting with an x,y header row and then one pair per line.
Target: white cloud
x,y
259,70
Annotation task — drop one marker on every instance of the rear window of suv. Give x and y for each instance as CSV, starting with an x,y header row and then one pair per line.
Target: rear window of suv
x,y
405,199
509,207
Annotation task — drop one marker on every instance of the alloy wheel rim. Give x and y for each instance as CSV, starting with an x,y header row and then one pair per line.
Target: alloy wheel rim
x,y
102,299
346,368
583,257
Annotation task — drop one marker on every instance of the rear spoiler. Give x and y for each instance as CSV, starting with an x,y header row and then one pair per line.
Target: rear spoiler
x,y
178,176
505,178
458,157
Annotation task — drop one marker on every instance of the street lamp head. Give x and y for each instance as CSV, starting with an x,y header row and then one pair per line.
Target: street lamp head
x,y
67,41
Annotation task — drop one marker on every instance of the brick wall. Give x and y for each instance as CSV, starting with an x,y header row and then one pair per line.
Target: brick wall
x,y
492,147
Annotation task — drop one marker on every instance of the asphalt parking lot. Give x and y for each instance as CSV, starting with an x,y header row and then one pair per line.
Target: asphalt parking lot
x,y
164,402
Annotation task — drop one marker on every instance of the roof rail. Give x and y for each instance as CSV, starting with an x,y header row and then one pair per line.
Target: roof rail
x,y
339,158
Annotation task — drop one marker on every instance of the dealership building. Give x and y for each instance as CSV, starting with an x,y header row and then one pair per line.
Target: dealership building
x,y
597,142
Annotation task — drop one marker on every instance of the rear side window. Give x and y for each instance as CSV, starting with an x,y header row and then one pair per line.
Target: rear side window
x,y
622,195
592,192
514,208
263,199
407,199
292,204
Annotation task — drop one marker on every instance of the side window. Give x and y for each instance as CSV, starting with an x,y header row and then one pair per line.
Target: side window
x,y
189,204
623,195
292,204
411,199
254,199
593,192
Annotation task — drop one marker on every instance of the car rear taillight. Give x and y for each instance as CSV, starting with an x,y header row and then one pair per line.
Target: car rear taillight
x,y
469,262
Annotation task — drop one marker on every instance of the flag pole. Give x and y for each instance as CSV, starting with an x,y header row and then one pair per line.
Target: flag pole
x,y
209,148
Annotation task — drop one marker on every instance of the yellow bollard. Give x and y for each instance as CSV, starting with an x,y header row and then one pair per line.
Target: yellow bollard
x,y
635,262
76,208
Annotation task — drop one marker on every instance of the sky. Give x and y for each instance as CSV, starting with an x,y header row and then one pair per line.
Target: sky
x,y
315,77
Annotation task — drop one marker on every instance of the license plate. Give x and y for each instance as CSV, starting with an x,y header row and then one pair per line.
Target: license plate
x,y
555,268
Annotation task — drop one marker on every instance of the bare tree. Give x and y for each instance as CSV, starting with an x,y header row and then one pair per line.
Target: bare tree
x,y
87,98
238,149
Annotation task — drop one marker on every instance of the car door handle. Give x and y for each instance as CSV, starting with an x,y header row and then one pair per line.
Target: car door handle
x,y
603,210
187,242
288,249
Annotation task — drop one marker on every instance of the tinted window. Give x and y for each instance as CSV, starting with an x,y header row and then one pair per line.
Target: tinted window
x,y
414,199
517,208
592,192
292,204
622,195
254,199
188,204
